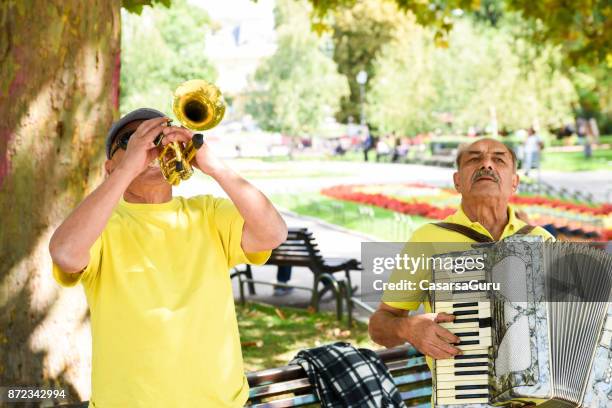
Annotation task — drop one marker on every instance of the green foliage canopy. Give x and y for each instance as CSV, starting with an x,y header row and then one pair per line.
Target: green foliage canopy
x,y
583,28
359,33
162,48
136,6
485,73
298,87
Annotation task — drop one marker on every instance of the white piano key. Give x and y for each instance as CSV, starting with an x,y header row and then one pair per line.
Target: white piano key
x,y
450,370
448,377
461,326
450,362
451,385
450,401
453,392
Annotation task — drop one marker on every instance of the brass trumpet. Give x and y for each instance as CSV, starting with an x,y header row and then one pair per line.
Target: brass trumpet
x,y
198,105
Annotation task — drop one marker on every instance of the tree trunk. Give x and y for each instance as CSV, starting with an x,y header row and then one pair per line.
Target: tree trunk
x,y
59,88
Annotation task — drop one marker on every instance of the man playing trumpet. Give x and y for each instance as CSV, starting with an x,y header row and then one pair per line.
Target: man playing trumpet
x,y
155,272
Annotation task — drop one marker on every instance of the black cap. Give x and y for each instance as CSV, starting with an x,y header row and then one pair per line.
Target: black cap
x,y
138,114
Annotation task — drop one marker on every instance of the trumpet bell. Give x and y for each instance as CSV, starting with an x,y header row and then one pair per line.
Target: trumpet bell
x,y
198,104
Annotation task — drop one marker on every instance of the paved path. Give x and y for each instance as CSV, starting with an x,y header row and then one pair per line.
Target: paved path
x,y
598,183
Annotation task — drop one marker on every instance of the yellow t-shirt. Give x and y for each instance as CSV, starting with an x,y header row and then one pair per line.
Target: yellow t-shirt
x,y
163,323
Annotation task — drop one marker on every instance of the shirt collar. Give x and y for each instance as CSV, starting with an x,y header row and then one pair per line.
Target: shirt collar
x,y
513,225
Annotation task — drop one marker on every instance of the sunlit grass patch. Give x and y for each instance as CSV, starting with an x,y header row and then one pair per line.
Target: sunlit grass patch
x,y
272,336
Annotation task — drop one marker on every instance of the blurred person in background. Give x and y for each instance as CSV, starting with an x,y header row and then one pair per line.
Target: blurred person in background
x,y
532,149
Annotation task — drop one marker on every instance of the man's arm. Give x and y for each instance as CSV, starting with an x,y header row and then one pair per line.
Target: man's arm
x,y
387,326
392,327
70,244
264,228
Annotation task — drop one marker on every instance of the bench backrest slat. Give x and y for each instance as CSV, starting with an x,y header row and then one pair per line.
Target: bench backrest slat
x,y
272,389
297,401
299,249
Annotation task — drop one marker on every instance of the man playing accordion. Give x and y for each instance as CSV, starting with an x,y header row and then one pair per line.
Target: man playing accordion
x,y
486,178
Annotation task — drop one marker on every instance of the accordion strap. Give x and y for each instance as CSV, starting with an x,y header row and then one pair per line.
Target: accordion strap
x,y
475,235
525,230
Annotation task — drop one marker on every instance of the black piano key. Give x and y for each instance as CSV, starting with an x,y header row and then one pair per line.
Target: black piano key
x,y
471,387
470,396
467,342
482,364
484,323
465,304
469,356
471,372
465,312
467,320
467,334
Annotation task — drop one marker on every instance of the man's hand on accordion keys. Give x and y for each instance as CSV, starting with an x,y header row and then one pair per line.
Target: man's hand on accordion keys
x,y
427,336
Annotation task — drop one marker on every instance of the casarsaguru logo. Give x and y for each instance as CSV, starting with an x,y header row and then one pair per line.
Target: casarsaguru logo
x,y
454,287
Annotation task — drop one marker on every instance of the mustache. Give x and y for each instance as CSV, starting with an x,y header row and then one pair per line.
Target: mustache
x,y
485,173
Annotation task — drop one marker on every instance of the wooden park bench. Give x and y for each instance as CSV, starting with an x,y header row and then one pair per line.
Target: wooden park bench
x,y
301,249
289,386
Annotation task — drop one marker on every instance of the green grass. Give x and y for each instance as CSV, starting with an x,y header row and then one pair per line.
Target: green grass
x,y
381,223
272,336
575,161
605,139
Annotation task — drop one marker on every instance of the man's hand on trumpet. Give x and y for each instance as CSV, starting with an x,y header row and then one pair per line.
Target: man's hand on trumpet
x,y
204,160
136,139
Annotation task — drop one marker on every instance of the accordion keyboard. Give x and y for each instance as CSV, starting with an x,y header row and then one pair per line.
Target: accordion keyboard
x,y
464,379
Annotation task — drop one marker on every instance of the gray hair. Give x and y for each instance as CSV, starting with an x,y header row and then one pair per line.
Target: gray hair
x,y
463,148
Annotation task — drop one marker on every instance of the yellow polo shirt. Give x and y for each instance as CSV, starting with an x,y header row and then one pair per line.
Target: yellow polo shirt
x,y
430,233
163,324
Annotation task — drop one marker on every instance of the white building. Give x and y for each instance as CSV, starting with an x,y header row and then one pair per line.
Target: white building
x,y
242,36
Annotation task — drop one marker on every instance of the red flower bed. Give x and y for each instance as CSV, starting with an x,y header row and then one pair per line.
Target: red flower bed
x,y
346,193
350,193
603,209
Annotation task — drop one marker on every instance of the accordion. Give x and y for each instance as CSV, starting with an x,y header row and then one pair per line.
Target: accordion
x,y
535,326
